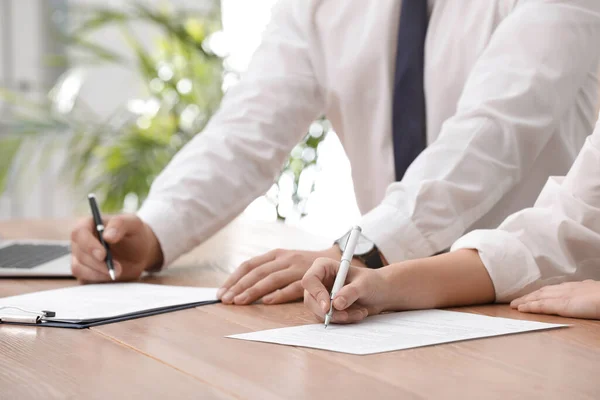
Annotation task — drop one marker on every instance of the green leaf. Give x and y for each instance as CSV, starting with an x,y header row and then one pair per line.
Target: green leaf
x,y
100,52
145,61
195,29
100,18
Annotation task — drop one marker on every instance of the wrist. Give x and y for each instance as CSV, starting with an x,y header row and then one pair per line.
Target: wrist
x,y
366,253
335,253
155,260
394,290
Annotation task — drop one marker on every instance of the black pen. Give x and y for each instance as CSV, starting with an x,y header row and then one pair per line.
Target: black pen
x,y
100,231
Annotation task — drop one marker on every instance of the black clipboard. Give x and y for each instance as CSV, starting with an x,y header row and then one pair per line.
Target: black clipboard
x,y
42,322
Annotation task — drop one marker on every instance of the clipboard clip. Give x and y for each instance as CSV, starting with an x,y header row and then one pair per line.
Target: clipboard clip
x,y
33,317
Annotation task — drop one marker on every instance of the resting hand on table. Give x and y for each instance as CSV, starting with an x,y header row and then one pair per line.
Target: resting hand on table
x,y
569,299
133,245
364,293
275,277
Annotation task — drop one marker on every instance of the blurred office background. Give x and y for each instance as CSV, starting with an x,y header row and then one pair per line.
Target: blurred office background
x,y
113,88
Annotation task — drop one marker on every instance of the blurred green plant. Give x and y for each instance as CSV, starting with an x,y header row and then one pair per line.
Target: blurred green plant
x,y
120,156
296,182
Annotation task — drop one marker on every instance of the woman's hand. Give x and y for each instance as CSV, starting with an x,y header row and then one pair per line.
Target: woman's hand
x,y
363,294
569,299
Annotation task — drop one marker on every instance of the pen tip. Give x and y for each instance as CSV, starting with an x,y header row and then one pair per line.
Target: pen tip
x,y
91,196
112,274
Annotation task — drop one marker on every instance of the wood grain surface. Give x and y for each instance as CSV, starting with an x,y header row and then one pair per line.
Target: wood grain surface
x,y
185,354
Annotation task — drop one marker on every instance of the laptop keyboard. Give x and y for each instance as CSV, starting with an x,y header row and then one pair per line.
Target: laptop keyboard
x,y
27,256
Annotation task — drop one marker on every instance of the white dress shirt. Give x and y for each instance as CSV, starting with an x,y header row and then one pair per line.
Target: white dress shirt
x,y
511,92
557,240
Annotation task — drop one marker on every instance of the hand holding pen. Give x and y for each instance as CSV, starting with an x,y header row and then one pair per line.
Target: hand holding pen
x,y
126,242
360,291
340,278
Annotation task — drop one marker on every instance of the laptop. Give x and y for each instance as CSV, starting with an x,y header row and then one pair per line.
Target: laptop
x,y
35,258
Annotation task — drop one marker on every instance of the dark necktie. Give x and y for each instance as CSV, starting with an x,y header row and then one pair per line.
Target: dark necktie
x,y
408,113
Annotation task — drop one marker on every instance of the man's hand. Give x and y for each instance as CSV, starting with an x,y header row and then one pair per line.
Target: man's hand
x,y
569,299
133,245
275,277
364,293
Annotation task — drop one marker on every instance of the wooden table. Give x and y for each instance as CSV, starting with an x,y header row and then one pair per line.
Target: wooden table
x,y
184,354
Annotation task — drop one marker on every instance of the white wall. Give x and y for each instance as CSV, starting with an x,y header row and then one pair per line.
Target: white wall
x,y
3,48
33,190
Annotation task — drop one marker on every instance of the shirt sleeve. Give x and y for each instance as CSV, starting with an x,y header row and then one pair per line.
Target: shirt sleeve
x,y
555,241
525,80
236,158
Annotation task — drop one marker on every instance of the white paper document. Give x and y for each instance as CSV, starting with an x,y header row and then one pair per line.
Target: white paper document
x,y
101,301
396,331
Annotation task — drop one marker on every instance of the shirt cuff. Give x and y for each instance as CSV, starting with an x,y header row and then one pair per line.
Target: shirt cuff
x,y
163,221
395,235
508,261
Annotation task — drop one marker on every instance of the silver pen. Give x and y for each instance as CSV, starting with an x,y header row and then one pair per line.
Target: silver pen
x,y
340,278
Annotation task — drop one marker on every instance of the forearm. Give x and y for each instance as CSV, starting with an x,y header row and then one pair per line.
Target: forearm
x,y
453,279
